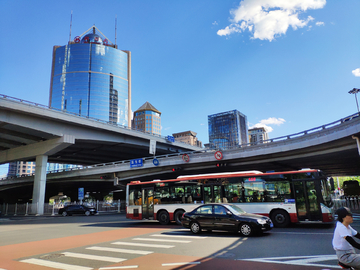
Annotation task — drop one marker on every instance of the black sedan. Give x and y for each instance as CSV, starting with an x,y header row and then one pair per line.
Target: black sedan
x,y
77,210
225,217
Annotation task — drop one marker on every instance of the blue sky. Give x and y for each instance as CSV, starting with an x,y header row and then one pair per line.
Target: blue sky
x,y
285,64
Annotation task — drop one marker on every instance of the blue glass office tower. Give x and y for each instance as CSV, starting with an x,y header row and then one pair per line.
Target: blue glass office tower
x,y
92,78
227,129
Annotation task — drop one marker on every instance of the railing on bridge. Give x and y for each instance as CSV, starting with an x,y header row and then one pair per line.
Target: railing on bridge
x,y
264,143
82,116
25,209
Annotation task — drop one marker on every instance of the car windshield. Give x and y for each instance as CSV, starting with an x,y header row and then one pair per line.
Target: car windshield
x,y
235,209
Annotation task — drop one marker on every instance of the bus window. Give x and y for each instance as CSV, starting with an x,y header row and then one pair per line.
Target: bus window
x,y
162,195
277,191
135,197
207,194
233,193
217,194
177,194
254,190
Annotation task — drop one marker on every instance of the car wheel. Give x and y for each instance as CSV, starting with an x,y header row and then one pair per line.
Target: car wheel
x,y
280,218
245,229
164,218
178,215
195,227
87,213
64,214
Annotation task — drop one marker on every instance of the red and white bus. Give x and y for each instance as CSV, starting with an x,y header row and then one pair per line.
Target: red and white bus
x,y
285,197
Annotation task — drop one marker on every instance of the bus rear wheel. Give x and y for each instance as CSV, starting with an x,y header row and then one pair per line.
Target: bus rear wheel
x,y
164,218
178,215
280,218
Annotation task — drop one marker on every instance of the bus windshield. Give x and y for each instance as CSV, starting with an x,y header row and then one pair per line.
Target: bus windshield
x,y
326,193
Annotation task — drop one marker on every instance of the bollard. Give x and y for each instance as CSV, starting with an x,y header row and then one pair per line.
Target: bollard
x,y
27,208
6,210
118,206
97,205
53,212
15,209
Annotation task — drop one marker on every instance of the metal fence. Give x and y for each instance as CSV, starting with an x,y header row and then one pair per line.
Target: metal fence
x,y
25,209
352,202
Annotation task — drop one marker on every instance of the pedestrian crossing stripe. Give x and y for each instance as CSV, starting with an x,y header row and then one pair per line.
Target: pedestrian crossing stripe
x,y
93,257
160,240
57,265
121,250
142,245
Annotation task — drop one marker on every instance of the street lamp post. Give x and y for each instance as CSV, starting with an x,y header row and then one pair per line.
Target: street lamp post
x,y
355,91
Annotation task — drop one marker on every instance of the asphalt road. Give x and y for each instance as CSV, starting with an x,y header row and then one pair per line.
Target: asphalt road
x,y
111,241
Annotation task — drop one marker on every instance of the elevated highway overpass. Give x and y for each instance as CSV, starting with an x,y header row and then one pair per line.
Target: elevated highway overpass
x,y
333,148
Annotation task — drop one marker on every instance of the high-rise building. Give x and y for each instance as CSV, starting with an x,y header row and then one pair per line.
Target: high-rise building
x,y
91,77
21,168
227,129
147,119
257,135
188,137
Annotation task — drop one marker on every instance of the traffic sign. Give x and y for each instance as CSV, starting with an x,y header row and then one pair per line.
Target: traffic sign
x,y
185,157
218,155
81,193
136,163
156,162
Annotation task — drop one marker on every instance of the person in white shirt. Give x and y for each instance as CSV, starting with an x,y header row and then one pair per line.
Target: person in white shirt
x,y
343,240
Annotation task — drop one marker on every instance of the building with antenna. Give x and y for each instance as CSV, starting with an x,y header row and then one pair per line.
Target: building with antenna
x,y
91,77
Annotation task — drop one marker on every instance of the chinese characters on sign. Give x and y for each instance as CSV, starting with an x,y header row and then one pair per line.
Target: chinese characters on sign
x,y
136,163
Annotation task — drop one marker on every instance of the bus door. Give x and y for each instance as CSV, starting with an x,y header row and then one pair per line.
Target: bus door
x,y
212,193
306,199
148,203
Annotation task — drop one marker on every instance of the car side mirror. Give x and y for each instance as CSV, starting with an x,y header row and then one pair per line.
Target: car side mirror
x,y
228,213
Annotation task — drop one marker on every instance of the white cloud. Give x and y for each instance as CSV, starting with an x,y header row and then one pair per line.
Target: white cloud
x,y
215,23
320,23
267,19
265,123
356,72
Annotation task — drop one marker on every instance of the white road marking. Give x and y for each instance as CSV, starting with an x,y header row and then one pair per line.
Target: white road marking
x,y
179,236
93,257
119,267
120,250
142,245
179,263
56,265
160,240
298,260
301,233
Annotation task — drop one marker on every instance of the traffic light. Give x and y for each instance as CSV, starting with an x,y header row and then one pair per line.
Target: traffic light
x,y
105,177
220,164
176,169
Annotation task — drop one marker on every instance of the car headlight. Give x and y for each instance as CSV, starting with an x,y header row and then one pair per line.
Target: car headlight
x,y
261,221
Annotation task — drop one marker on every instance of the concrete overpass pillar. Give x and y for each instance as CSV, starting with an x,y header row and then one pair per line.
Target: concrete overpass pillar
x,y
38,198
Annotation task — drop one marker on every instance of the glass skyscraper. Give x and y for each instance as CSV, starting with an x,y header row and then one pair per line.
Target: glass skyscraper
x,y
227,129
92,78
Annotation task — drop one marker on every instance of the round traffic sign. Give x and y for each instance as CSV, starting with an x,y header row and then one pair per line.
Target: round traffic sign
x,y
156,162
218,155
185,157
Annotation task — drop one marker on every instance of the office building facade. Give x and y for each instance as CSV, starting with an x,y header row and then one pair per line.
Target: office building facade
x,y
21,168
258,135
188,137
227,129
91,77
147,119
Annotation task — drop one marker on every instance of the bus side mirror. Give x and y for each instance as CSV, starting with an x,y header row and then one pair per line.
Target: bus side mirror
x,y
332,185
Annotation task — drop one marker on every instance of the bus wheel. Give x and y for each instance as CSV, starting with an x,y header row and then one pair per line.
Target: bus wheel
x,y
280,218
178,215
164,218
195,228
245,229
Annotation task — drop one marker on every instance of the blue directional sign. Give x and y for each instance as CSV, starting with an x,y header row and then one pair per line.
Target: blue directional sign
x,y
170,138
81,194
156,162
136,163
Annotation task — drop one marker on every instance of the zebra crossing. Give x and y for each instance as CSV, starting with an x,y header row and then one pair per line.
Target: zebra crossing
x,y
116,252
